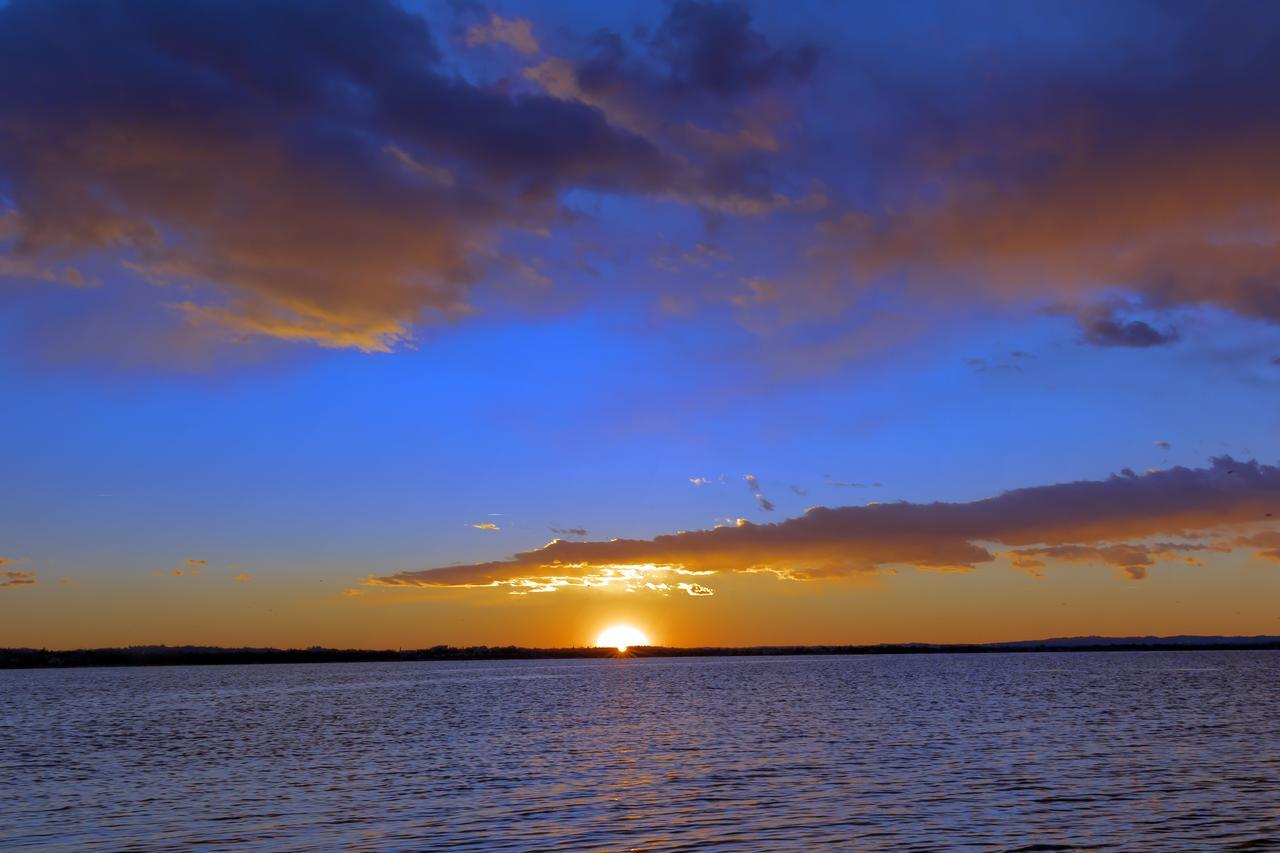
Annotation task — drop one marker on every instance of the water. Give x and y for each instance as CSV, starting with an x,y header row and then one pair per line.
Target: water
x,y
1130,751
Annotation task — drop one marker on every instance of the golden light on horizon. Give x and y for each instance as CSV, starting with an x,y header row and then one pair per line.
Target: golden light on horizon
x,y
621,637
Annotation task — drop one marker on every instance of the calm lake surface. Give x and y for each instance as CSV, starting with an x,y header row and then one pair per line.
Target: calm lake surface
x,y
1129,751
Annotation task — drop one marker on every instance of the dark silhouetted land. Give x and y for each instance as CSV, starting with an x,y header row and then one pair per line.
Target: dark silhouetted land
x,y
209,655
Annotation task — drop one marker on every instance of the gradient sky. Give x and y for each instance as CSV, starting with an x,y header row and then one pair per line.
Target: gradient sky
x,y
378,324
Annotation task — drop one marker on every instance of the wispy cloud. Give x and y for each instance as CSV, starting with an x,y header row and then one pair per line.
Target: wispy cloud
x,y
13,579
753,483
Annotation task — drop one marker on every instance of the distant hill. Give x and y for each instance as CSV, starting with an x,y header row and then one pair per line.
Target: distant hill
x,y
1178,640
212,655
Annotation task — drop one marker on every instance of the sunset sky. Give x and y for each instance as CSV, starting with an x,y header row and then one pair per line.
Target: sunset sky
x,y
396,324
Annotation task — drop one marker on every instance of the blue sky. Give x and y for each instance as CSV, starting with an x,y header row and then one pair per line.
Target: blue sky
x,y
305,308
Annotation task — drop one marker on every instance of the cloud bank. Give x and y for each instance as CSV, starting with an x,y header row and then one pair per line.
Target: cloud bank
x,y
1102,521
346,174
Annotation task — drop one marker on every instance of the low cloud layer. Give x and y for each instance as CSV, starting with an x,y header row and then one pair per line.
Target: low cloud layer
x,y
1107,521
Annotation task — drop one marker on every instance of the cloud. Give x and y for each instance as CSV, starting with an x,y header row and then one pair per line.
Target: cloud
x,y
1102,327
713,47
981,365
516,33
318,172
487,525
1108,516
754,485
1163,445
1268,543
1132,561
243,577
352,592
569,531
1147,169
699,481
702,85
197,564
799,491
11,579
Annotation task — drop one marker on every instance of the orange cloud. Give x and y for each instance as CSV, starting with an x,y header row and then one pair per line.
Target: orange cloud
x,y
325,178
1060,188
1131,560
1100,520
1268,543
11,579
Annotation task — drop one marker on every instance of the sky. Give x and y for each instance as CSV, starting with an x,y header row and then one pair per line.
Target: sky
x,y
395,324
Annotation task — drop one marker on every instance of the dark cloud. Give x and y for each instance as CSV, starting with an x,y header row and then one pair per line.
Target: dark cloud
x,y
687,85
713,47
1102,327
1098,520
1148,169
570,531
325,172
313,170
753,483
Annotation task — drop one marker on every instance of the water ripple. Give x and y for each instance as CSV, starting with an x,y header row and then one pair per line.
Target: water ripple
x,y
1139,751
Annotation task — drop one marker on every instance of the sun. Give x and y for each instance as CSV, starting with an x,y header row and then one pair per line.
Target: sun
x,y
621,637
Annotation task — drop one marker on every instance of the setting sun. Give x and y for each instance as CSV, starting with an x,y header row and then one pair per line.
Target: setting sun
x,y
621,637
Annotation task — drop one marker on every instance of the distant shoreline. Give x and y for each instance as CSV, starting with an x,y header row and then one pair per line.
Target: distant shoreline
x,y
214,656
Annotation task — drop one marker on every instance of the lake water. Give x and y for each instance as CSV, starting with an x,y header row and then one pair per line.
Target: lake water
x,y
1131,751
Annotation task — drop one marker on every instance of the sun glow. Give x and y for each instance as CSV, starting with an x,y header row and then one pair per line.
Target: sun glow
x,y
621,637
